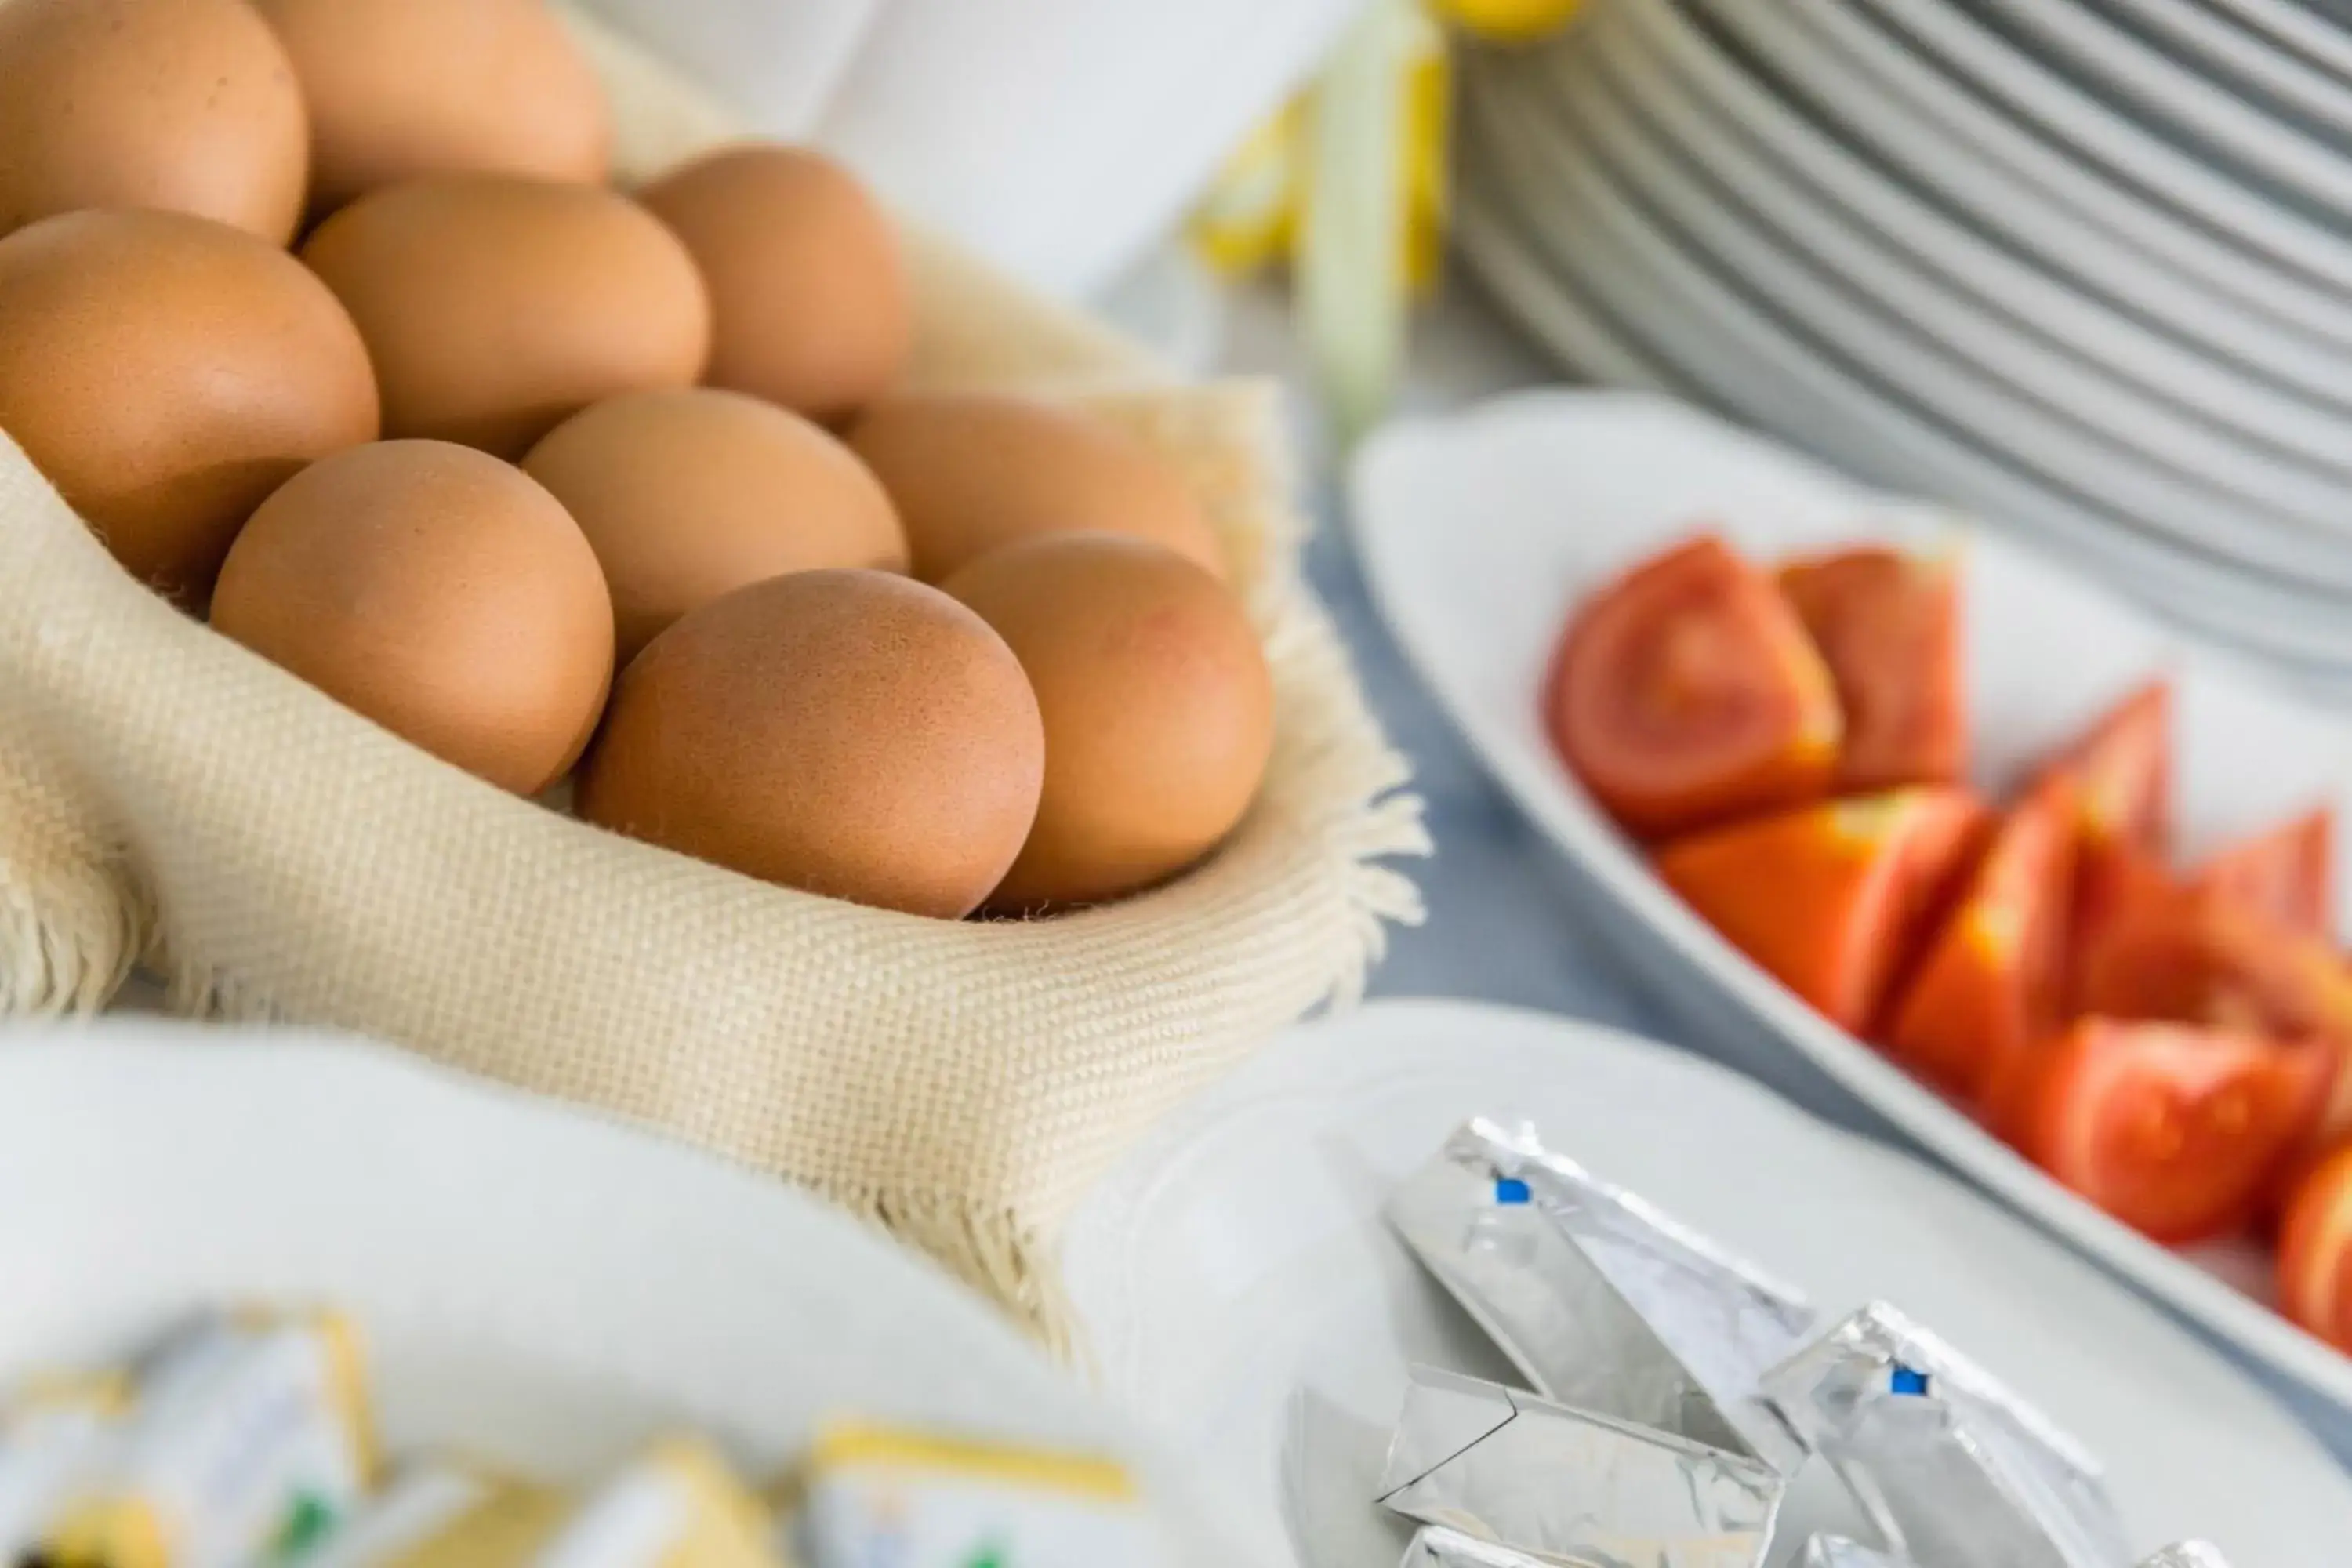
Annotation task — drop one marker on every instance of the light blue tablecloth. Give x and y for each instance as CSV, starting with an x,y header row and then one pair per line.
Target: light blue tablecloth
x,y
1502,925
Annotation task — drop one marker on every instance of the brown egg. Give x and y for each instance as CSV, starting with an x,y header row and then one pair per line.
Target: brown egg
x,y
495,308
686,494
185,105
852,734
1158,706
808,293
439,591
970,471
167,373
400,88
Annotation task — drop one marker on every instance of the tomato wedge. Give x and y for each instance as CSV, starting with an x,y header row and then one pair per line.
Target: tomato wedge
x,y
2113,879
1830,898
1685,694
2122,770
1993,980
2288,872
1888,625
2314,1264
2174,1131
2222,965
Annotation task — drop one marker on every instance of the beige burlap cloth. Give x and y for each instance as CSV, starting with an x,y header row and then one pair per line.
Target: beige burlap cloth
x,y
167,797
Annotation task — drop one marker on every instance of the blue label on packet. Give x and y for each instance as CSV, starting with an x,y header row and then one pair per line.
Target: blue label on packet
x,y
1907,1380
1511,1190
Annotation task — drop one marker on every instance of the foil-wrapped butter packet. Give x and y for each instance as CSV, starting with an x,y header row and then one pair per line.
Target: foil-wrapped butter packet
x,y
1951,1467
1837,1552
2189,1554
1570,1485
1434,1546
1601,1302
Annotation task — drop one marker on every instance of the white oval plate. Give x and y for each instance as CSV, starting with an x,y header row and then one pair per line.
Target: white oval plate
x,y
1245,1296
536,1285
1478,532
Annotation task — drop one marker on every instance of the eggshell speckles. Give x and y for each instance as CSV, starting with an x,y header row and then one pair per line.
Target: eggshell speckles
x,y
1157,703
687,495
439,591
808,292
167,373
494,308
403,89
852,734
971,471
182,105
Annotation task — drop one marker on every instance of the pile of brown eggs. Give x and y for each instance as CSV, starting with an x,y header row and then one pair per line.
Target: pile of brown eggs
x,y
537,474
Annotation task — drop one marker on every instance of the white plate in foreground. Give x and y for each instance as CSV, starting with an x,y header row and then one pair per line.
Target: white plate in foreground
x,y
536,1285
1479,531
1245,1297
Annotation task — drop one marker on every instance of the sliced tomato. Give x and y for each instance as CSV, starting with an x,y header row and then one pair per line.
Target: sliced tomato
x,y
2113,879
1888,625
1828,897
2314,1264
2122,771
2288,872
1992,979
1685,694
2220,965
2174,1131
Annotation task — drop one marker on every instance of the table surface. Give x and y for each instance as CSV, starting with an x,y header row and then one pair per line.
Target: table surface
x,y
1501,928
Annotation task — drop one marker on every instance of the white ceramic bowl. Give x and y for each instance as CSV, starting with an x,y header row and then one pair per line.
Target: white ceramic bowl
x,y
1480,531
537,1285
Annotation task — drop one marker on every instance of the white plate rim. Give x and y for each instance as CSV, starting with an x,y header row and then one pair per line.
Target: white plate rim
x,y
1978,54
2009,184
1102,1262
1578,829
1763,384
1983,360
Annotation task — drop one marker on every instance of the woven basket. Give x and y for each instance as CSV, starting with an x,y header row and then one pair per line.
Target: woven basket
x,y
167,797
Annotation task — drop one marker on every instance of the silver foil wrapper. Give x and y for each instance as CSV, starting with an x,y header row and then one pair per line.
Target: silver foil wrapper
x,y
1601,1302
1951,1467
2189,1554
1837,1552
1571,1486
1434,1546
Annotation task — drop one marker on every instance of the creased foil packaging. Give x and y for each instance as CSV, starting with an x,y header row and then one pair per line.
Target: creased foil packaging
x,y
2189,1554
1601,1302
1952,1468
1434,1546
1837,1552
1571,1485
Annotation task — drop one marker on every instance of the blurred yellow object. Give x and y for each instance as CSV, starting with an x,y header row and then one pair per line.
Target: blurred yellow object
x,y
1251,212
1249,219
1507,21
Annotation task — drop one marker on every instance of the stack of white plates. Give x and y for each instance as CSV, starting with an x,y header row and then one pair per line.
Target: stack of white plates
x,y
2083,266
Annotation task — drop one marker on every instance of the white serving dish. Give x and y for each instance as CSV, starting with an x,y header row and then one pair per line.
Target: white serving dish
x,y
1245,1296
1479,533
543,1287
